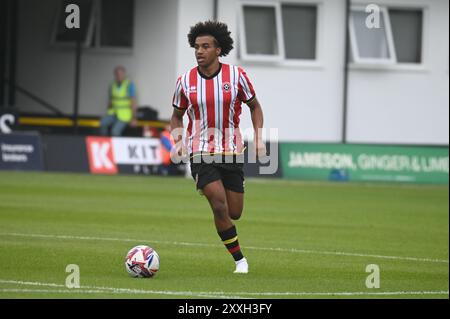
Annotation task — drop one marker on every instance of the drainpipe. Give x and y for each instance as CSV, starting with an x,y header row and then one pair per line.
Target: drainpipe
x,y
215,9
346,63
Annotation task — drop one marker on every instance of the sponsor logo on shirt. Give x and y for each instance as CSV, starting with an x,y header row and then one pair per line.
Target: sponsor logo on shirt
x,y
192,89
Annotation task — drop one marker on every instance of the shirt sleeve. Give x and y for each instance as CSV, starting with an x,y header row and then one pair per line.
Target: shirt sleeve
x,y
131,90
179,100
246,92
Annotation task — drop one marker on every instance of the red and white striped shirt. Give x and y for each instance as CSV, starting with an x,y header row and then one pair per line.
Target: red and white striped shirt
x,y
213,105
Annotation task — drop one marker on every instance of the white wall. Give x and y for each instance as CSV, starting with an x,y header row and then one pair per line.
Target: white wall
x,y
49,71
405,106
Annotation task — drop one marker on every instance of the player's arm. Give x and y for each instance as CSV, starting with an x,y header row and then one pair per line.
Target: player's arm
x,y
176,126
258,122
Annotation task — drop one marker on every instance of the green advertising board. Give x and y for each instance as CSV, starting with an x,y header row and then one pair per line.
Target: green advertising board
x,y
354,162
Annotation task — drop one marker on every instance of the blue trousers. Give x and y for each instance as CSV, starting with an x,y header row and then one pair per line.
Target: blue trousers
x,y
111,121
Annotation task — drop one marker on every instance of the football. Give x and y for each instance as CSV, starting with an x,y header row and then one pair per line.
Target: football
x,y
142,261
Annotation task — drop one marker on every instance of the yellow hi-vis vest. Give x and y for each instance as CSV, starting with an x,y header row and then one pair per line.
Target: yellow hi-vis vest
x,y
120,101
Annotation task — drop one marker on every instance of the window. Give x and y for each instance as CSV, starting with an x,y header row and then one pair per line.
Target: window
x,y
116,23
370,43
103,24
278,32
397,39
299,30
261,35
260,30
407,33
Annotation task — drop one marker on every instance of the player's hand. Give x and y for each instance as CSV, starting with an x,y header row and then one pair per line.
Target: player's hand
x,y
180,149
260,149
133,123
178,154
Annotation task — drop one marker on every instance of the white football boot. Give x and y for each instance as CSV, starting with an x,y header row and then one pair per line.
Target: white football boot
x,y
241,266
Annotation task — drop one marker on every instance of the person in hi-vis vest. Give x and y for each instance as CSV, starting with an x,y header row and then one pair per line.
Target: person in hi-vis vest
x,y
121,106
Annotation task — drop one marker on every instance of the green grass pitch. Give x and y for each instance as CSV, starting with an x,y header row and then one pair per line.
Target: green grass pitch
x,y
302,240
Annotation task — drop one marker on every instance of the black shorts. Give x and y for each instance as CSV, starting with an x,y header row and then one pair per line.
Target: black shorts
x,y
231,175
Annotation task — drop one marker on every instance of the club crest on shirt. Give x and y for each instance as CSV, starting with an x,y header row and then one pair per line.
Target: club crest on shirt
x,y
226,86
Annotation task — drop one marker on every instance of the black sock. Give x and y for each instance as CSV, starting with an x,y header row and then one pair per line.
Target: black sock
x,y
230,240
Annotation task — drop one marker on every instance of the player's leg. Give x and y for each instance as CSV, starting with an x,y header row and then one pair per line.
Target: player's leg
x,y
216,195
235,203
233,181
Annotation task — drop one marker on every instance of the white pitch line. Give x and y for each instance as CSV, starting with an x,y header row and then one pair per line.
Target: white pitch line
x,y
337,294
289,250
340,293
340,253
210,294
93,291
57,291
122,290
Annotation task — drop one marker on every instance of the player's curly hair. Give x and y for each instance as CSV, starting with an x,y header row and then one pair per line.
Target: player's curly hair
x,y
216,29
